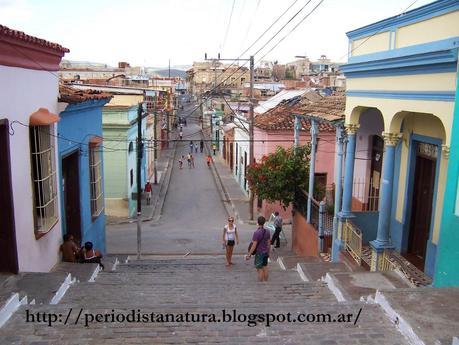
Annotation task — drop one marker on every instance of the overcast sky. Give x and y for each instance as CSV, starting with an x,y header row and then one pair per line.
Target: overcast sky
x,y
150,32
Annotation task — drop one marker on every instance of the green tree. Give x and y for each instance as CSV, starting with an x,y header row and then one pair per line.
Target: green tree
x,y
280,175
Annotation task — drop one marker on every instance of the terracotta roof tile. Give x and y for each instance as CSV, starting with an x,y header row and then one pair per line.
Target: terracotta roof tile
x,y
21,36
68,94
282,117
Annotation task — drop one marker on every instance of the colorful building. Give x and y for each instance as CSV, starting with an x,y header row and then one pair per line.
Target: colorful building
x,y
447,269
30,212
80,146
119,121
401,88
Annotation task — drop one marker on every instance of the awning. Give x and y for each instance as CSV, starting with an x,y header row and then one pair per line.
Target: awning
x,y
43,117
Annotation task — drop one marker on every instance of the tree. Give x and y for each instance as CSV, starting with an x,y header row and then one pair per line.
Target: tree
x,y
280,175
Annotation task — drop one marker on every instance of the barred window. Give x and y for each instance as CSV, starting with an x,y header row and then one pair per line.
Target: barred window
x,y
95,180
43,178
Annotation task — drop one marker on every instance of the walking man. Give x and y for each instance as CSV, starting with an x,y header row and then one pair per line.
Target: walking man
x,y
188,158
201,145
196,148
278,226
191,146
260,246
214,148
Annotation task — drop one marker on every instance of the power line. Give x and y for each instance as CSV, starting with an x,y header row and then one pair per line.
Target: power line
x,y
293,29
229,24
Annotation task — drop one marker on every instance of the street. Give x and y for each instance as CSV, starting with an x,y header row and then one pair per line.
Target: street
x,y
193,213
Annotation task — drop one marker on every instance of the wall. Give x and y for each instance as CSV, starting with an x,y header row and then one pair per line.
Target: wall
x,y
241,138
304,237
447,269
26,91
79,122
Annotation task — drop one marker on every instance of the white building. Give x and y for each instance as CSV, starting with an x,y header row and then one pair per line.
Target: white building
x,y
31,221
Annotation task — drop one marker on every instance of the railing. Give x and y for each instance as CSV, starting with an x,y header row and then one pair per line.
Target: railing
x,y
387,262
321,220
352,238
367,194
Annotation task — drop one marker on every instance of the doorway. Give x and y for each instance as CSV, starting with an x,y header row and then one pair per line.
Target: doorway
x,y
377,151
71,191
421,213
8,249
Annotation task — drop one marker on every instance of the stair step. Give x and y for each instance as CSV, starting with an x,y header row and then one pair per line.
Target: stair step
x,y
372,325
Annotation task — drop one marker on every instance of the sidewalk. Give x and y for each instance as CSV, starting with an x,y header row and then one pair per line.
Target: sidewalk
x,y
149,212
235,200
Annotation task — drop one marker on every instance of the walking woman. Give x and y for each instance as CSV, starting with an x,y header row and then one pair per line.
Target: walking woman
x,y
230,238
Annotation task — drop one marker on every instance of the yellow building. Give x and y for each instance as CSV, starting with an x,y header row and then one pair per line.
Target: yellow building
x,y
401,87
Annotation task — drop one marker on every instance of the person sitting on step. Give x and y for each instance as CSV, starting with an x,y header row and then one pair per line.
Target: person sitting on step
x,y
89,255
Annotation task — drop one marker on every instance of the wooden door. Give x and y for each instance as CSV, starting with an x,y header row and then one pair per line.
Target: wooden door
x,y
8,249
71,191
421,213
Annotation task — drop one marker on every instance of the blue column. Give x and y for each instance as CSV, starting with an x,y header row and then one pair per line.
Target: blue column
x,y
337,243
349,170
312,166
385,204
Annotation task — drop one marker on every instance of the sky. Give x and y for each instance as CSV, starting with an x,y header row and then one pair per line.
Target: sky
x,y
150,32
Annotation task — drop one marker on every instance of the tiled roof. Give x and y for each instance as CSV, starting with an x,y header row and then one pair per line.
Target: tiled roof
x,y
327,109
21,36
69,94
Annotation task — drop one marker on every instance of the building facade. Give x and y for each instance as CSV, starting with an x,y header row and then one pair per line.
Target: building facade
x,y
30,212
80,167
401,87
120,146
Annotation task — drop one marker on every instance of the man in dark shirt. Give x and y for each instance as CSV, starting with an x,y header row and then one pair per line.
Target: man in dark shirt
x,y
260,246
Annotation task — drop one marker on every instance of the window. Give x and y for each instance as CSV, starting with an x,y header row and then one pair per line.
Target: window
x,y
131,147
95,180
43,178
131,177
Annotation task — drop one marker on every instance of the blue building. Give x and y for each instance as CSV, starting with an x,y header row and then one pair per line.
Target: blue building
x,y
80,165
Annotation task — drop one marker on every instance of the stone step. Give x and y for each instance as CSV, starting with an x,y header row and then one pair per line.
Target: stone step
x,y
357,285
291,261
193,278
316,271
217,269
427,315
372,327
80,272
138,295
41,287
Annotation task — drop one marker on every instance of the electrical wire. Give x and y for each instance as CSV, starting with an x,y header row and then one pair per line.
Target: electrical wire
x,y
229,24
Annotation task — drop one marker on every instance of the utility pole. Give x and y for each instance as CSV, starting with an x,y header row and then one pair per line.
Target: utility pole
x,y
139,175
251,115
252,65
155,144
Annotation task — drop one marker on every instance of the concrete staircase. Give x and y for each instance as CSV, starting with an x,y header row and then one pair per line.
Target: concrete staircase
x,y
88,312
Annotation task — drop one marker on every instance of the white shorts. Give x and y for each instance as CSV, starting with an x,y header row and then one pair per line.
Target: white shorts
x,y
148,195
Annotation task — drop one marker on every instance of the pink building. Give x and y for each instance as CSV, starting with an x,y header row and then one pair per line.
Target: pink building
x,y
276,128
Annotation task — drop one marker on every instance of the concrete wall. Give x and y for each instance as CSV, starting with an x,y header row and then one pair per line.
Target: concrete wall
x,y
304,237
23,92
80,122
447,269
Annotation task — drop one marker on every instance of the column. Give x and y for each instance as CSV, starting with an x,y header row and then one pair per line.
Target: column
x,y
337,243
312,166
349,170
385,203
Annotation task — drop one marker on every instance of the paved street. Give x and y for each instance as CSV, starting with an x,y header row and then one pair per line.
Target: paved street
x,y
193,214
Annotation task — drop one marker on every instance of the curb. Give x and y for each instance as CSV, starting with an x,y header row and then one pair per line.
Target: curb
x,y
222,190
158,209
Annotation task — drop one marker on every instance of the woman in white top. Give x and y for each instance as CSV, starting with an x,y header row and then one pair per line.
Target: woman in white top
x,y
230,238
